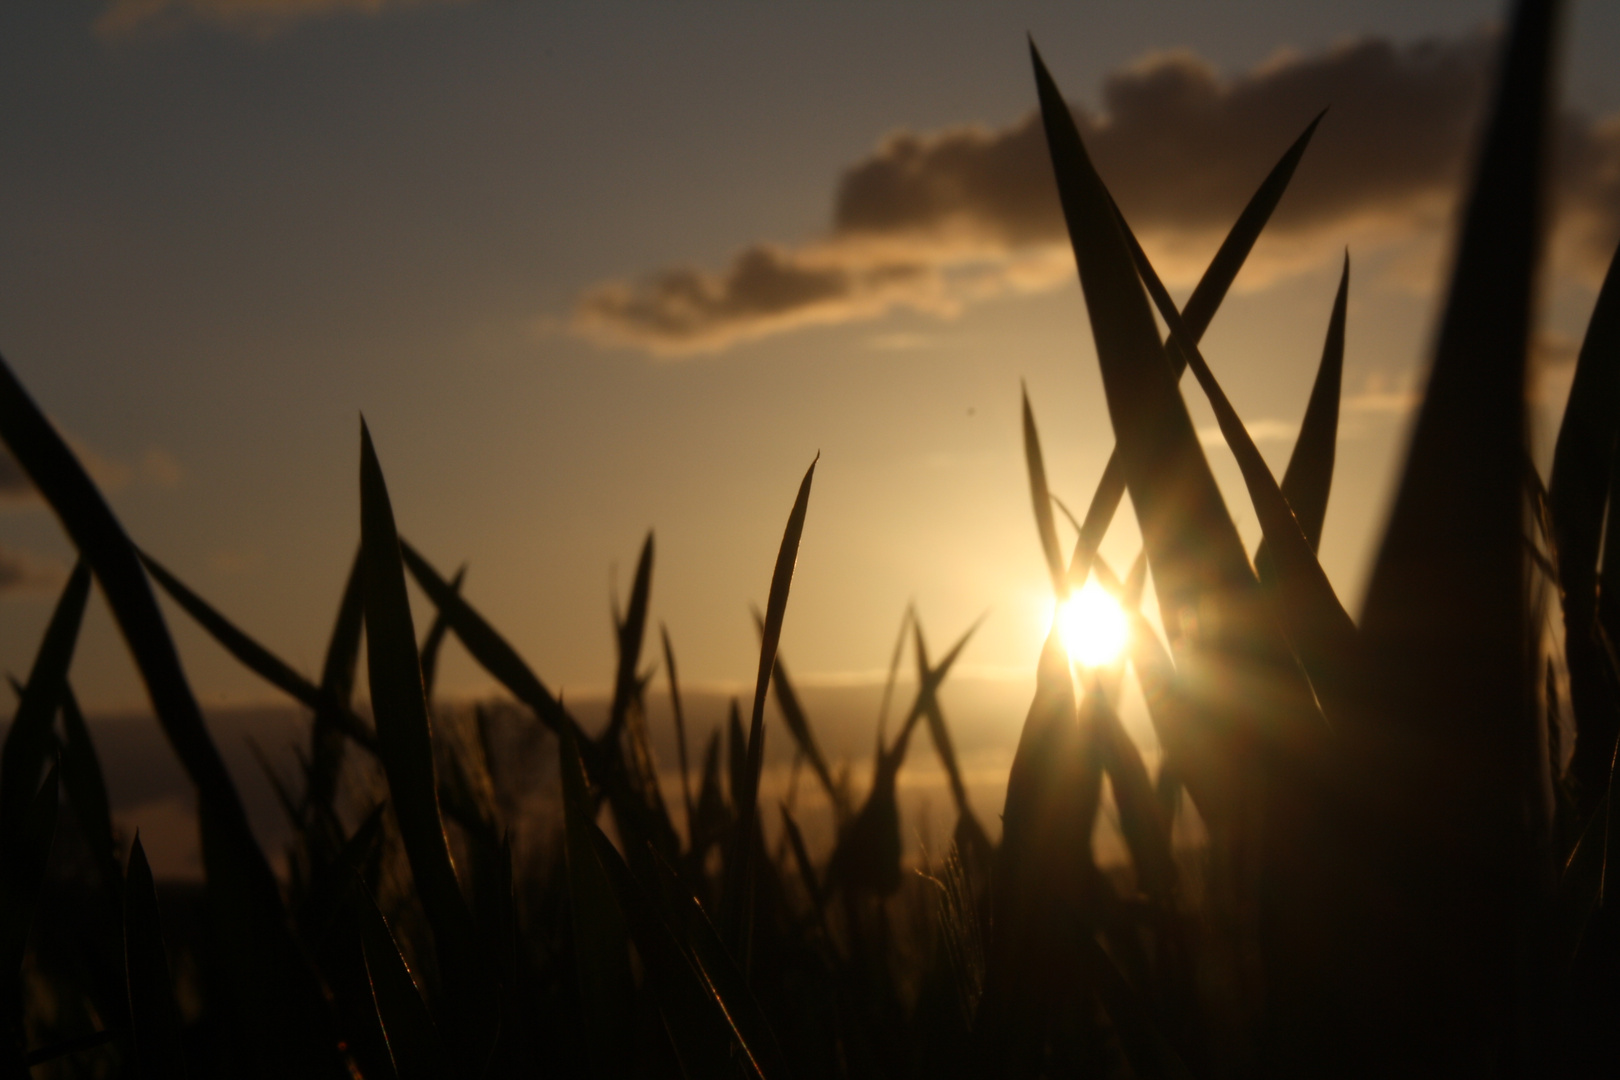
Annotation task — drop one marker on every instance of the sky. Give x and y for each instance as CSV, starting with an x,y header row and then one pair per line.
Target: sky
x,y
590,270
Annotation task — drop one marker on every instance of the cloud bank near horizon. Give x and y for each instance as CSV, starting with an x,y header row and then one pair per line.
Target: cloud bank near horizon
x,y
258,17
933,222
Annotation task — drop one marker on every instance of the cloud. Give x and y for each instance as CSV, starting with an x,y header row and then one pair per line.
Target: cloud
x,y
934,221
155,468
257,17
22,572
1266,429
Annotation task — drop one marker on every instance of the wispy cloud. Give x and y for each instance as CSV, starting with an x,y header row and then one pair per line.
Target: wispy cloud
x,y
258,17
1263,430
935,221
154,468
24,572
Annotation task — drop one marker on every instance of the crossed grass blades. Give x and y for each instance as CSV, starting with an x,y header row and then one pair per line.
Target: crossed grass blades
x,y
1406,863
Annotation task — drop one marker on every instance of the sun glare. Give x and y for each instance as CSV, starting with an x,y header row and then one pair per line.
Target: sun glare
x,y
1093,626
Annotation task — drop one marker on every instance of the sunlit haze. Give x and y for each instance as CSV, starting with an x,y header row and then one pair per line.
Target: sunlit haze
x,y
590,270
1093,626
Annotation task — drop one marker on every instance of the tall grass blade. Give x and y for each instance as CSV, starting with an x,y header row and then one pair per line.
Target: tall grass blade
x,y
1191,542
602,967
970,835
21,876
22,873
1034,867
1583,464
155,1024
716,967
701,1022
87,793
736,755
1319,628
1041,495
27,745
492,651
435,640
740,868
252,655
1308,479
806,868
709,824
1455,744
1151,1056
281,995
797,721
631,632
414,1042
332,708
680,728
260,660
1141,819
405,746
1197,314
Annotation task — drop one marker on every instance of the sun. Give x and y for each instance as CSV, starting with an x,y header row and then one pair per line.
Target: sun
x,y
1093,626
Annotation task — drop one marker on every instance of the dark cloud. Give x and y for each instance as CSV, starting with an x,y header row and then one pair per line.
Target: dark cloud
x,y
155,468
22,572
765,289
970,212
121,17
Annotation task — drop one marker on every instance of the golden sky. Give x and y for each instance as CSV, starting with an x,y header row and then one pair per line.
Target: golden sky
x,y
590,269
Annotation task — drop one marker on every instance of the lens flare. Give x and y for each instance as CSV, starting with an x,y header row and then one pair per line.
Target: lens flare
x,y
1093,626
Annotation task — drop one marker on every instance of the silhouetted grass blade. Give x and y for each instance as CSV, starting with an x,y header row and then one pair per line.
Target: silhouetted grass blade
x,y
1033,863
631,632
1449,675
28,741
1578,491
413,1038
739,869
806,868
1308,479
736,755
968,827
607,994
47,1054
867,858
638,801
1041,496
332,709
1141,820
1191,749
1319,628
680,728
330,884
21,877
281,994
22,872
1196,315
253,656
87,793
696,1017
435,640
798,723
491,650
405,746
1150,1054
155,1023
709,824
697,936
1191,542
